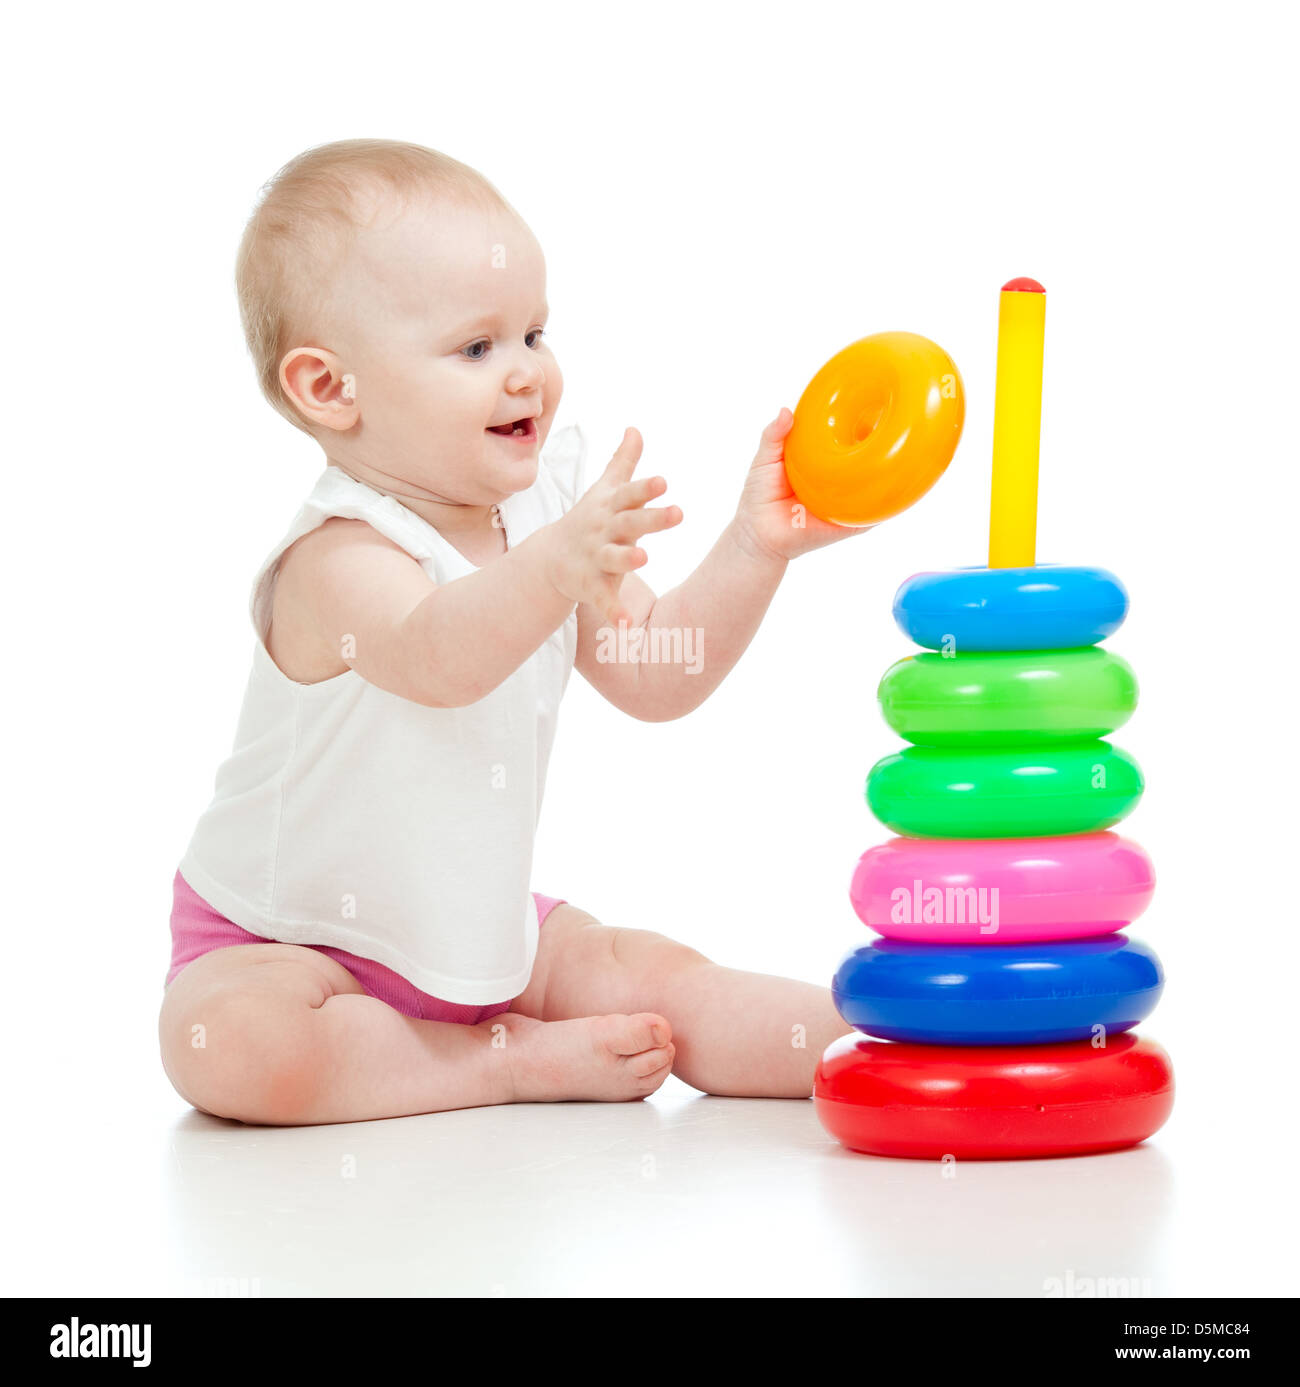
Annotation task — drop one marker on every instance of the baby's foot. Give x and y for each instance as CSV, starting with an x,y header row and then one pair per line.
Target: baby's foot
x,y
606,1059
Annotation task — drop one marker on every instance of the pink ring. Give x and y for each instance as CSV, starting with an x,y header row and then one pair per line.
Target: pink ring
x,y
999,890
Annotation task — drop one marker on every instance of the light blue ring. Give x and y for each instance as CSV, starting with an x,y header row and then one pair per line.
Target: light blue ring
x,y
1044,607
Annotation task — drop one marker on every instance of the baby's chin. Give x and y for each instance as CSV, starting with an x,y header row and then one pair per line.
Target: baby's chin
x,y
511,462
504,485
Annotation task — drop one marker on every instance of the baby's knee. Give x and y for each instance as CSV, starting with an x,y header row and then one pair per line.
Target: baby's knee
x,y
649,944
234,1056
654,960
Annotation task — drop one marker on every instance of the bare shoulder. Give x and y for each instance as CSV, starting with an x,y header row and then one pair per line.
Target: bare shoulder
x,y
327,583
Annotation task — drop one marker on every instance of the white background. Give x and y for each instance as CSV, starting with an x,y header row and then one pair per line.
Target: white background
x,y
726,196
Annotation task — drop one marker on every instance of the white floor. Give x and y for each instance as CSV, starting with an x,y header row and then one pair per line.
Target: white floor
x,y
131,1193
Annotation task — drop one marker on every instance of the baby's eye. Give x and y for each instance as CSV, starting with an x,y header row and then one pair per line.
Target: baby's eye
x,y
476,351
534,336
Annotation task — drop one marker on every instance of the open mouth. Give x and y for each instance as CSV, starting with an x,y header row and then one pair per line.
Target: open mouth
x,y
522,429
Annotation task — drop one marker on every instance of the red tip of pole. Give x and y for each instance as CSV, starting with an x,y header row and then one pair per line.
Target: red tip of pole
x,y
1023,286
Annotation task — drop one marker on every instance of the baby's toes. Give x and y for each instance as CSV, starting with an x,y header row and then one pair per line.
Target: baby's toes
x,y
651,1062
631,1035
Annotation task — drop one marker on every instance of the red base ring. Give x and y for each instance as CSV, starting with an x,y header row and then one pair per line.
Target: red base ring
x,y
1003,1102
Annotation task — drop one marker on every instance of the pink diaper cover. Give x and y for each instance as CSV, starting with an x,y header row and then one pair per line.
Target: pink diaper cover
x,y
197,929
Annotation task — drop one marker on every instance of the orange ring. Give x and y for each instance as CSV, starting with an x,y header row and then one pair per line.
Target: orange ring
x,y
875,428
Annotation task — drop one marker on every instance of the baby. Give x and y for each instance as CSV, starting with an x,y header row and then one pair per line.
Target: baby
x,y
353,933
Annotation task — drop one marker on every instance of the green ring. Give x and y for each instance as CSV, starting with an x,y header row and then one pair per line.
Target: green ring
x,y
1008,699
1007,792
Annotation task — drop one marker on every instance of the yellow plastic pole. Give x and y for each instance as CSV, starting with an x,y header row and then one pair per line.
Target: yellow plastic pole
x,y
1017,412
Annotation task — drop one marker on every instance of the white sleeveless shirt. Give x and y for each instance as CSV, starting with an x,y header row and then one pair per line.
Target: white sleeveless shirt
x,y
350,817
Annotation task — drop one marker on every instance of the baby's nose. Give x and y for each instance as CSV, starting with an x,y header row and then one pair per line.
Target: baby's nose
x,y
528,375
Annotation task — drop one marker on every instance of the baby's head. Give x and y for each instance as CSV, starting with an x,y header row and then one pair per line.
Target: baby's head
x,y
394,302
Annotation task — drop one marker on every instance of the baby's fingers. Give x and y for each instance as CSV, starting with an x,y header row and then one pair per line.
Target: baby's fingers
x,y
620,558
771,446
607,600
636,493
626,456
634,523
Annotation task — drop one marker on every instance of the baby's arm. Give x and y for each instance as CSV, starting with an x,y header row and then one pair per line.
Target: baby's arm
x,y
705,623
347,597
696,633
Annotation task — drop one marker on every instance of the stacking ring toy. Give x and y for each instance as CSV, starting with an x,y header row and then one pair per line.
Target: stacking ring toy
x,y
1003,994
992,1103
875,428
1002,890
1043,607
1008,699
1004,792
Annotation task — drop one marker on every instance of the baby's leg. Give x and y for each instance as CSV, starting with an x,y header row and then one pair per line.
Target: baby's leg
x,y
736,1033
275,1033
748,1035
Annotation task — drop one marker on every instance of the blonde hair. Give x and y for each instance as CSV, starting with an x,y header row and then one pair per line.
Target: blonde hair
x,y
306,216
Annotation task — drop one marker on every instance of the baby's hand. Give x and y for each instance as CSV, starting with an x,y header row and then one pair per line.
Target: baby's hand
x,y
770,514
595,542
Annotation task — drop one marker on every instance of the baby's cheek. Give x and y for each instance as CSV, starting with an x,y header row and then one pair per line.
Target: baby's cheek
x,y
554,386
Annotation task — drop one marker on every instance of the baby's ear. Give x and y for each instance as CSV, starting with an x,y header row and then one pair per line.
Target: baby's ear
x,y
317,386
565,458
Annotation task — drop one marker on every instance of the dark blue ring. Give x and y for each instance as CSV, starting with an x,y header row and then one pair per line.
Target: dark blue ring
x,y
997,994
